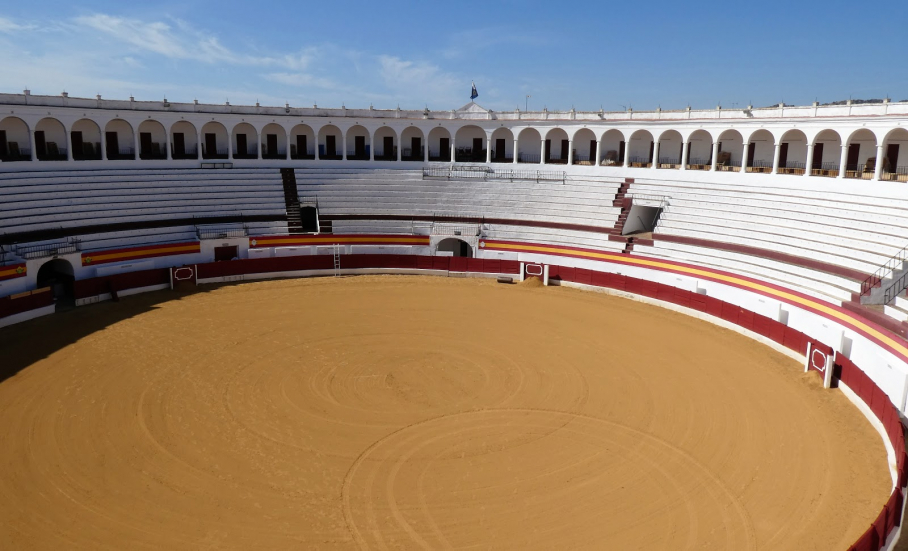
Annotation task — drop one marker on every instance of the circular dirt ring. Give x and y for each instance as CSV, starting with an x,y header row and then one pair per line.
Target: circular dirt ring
x,y
386,412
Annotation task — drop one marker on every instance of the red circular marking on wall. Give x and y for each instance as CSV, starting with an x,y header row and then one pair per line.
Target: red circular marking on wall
x,y
818,354
182,274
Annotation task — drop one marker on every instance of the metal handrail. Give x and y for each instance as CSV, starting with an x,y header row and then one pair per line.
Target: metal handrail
x,y
883,271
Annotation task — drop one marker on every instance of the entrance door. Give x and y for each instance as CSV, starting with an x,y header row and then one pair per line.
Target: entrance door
x,y
330,146
179,145
499,149
113,145
621,147
3,149
359,147
854,153
225,253
817,162
40,144
892,157
301,146
783,155
75,138
652,147
241,146
444,144
271,144
388,145
416,148
144,144
477,149
593,145
565,145
751,151
211,145
548,150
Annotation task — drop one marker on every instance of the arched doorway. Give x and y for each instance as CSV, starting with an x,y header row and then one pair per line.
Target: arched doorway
x,y
793,153
827,150
557,147
470,144
640,149
502,146
440,145
730,151
14,142
699,150
613,146
120,143
58,275
50,140
671,149
585,146
529,146
359,143
412,144
457,247
152,140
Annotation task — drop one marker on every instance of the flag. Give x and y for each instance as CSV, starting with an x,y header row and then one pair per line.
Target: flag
x,y
474,94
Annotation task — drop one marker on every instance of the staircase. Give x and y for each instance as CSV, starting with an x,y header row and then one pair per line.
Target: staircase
x,y
628,246
291,201
624,203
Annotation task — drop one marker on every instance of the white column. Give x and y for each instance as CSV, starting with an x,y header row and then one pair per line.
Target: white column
x,y
426,150
198,152
715,156
103,145
68,140
627,157
808,165
542,152
230,138
878,166
598,158
744,158
135,139
259,144
684,155
775,158
453,150
31,140
167,145
343,147
488,149
570,159
287,150
843,158
514,153
400,148
655,155
316,144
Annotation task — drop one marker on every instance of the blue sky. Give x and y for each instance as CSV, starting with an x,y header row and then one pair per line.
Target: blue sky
x,y
587,55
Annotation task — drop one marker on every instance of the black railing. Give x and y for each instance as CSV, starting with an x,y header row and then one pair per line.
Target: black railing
x,y
673,161
297,156
532,158
14,154
891,265
484,173
900,174
467,155
30,252
825,169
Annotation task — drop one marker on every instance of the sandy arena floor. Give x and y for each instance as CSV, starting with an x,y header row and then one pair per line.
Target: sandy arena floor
x,y
406,412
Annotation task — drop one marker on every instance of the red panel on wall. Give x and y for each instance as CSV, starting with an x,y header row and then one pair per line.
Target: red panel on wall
x,y
441,263
698,302
457,263
714,306
510,267
682,297
601,279
491,265
474,265
618,281
424,262
762,325
583,276
746,319
665,293
730,312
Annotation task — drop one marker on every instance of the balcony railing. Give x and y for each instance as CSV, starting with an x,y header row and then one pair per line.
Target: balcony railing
x,y
502,158
830,170
440,157
899,175
531,158
728,167
30,252
219,154
760,166
485,173
190,153
467,155
14,154
699,163
640,162
279,154
245,155
859,172
409,155
669,162
793,167
551,161
297,156
582,160
53,153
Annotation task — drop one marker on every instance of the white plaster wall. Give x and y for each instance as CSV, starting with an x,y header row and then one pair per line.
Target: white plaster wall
x,y
16,131
406,139
701,145
670,146
638,146
529,142
556,136
764,147
465,136
435,137
330,130
582,143
54,132
125,136
797,147
220,133
251,139
380,134
508,137
352,134
734,143
281,134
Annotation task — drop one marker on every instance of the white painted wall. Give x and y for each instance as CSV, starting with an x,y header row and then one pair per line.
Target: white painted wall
x,y
251,139
701,144
16,131
670,146
508,137
465,136
220,133
435,136
734,143
638,145
529,142
380,134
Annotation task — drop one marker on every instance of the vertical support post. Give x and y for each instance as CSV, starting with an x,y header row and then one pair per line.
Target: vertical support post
x,y
655,154
31,140
67,139
808,164
400,148
230,147
843,158
167,144
684,155
542,151
488,148
258,145
545,274
135,139
426,149
775,158
287,148
514,152
878,166
103,145
570,159
522,270
198,153
598,158
453,152
715,159
744,157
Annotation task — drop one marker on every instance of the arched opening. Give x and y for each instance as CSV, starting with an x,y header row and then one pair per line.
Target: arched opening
x,y
302,142
14,142
502,146
440,145
152,140
860,158
119,141
85,140
895,149
699,150
613,148
59,276
827,152
414,148
529,146
274,141
309,218
457,247
330,140
385,144
50,140
793,152
557,147
731,151
359,143
245,141
584,147
760,149
184,141
470,144
670,148
640,149
215,141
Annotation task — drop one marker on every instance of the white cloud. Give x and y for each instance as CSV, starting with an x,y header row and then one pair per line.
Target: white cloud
x,y
419,79
9,26
301,80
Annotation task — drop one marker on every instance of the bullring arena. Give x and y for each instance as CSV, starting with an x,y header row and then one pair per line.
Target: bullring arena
x,y
281,328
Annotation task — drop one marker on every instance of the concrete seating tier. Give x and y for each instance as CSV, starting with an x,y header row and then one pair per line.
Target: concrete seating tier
x,y
553,236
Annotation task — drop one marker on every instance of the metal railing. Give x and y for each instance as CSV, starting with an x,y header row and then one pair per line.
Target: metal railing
x,y
533,158
220,233
900,174
485,173
30,252
895,289
891,265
